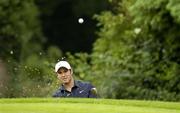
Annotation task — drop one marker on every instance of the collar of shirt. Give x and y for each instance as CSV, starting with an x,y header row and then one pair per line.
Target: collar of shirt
x,y
76,84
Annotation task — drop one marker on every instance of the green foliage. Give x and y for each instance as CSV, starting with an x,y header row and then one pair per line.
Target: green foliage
x,y
28,65
142,47
80,64
136,55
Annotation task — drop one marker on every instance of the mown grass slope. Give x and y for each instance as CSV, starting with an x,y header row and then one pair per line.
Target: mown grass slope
x,y
72,105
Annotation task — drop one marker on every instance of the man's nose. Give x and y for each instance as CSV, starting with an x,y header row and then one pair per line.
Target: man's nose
x,y
63,74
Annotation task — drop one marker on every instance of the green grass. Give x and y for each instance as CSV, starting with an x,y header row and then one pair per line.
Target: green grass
x,y
67,105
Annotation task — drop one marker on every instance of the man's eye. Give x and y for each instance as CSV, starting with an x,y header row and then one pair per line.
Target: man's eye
x,y
65,71
59,72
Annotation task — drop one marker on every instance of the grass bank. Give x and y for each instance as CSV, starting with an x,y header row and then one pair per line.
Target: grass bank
x,y
72,105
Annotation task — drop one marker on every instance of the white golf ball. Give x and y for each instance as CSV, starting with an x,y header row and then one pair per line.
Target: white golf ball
x,y
80,20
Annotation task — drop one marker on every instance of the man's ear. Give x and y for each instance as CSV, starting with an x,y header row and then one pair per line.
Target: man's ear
x,y
71,71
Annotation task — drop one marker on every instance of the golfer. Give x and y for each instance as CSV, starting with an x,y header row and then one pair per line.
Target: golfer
x,y
71,87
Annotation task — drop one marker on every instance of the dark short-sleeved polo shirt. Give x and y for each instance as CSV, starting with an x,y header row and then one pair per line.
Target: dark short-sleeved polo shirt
x,y
80,89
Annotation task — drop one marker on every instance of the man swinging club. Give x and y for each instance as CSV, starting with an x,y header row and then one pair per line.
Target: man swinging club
x,y
71,87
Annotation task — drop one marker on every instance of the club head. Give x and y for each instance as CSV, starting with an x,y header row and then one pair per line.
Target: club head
x,y
94,91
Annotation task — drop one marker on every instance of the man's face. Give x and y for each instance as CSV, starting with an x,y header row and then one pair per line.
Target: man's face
x,y
64,75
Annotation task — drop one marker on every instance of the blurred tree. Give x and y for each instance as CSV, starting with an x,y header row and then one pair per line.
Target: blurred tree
x,y
137,52
19,26
4,79
21,42
159,26
138,49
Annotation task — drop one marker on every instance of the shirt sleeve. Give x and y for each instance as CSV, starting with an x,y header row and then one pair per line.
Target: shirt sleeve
x,y
55,95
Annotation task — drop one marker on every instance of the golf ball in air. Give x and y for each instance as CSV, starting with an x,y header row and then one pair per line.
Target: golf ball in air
x,y
80,20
